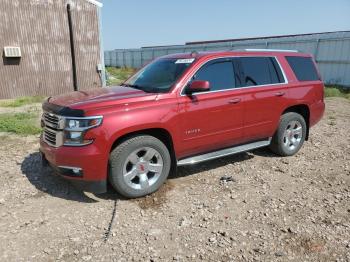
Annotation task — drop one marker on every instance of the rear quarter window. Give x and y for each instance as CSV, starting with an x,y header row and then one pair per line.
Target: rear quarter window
x,y
303,68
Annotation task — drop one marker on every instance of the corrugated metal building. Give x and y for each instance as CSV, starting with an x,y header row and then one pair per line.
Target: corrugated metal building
x,y
43,41
330,49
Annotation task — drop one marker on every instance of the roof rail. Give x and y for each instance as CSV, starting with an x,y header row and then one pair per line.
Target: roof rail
x,y
273,50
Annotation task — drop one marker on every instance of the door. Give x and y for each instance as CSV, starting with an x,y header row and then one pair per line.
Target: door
x,y
214,119
264,92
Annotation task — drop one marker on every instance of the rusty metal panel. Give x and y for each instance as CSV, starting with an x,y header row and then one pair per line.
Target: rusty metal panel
x,y
40,29
87,47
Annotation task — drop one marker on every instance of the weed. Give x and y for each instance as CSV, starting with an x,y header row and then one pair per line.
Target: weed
x,y
118,75
21,101
20,123
337,91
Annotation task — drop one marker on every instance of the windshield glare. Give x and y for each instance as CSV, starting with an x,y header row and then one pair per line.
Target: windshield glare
x,y
159,76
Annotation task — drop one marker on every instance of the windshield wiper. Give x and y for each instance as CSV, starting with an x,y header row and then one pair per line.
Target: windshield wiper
x,y
136,87
132,86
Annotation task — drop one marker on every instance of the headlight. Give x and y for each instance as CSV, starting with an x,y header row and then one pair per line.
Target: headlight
x,y
75,129
83,123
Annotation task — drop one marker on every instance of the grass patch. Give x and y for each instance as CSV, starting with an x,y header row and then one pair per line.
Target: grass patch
x,y
20,123
117,75
21,101
337,91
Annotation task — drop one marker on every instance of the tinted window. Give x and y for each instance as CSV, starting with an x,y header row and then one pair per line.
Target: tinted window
x,y
219,74
276,72
159,76
260,71
303,67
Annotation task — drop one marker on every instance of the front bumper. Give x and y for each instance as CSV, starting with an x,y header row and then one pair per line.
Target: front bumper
x,y
85,167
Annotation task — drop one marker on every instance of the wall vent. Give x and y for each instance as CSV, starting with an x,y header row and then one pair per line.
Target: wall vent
x,y
12,51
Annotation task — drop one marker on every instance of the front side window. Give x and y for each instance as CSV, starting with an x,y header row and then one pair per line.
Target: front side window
x,y
220,75
159,76
260,71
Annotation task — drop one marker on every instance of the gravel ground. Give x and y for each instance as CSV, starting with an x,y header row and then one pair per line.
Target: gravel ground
x,y
267,209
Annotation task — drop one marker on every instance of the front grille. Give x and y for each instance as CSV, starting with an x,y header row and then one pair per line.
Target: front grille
x,y
51,120
49,136
52,132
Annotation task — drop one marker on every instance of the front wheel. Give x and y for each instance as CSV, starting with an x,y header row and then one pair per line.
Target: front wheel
x,y
139,166
290,134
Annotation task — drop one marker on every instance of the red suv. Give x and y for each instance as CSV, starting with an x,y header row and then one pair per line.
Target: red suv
x,y
179,110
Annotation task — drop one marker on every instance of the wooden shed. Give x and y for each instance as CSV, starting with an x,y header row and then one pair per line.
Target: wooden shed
x,y
49,47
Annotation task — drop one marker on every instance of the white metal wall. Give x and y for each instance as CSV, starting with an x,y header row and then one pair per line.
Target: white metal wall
x,y
331,51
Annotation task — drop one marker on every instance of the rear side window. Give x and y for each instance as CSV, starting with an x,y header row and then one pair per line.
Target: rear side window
x,y
260,71
219,74
303,68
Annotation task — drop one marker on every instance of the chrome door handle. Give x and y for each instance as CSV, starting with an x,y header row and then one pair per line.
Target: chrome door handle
x,y
280,93
234,101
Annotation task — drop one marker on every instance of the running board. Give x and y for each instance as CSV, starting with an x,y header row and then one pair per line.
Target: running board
x,y
223,152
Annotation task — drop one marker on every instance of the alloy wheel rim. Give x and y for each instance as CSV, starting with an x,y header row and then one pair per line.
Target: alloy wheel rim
x,y
142,168
292,135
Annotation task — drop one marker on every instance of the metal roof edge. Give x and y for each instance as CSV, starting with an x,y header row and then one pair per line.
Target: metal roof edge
x,y
260,38
99,4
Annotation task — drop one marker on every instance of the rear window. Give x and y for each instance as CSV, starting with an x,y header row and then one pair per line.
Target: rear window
x,y
303,68
260,71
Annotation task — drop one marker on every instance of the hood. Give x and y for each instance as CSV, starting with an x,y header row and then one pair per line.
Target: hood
x,y
100,97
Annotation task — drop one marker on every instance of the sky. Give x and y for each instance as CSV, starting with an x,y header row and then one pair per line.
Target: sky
x,y
140,23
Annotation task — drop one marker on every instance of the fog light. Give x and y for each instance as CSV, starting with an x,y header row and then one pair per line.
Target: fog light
x,y
76,170
70,171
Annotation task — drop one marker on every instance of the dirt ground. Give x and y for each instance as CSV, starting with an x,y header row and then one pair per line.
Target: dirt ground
x,y
274,209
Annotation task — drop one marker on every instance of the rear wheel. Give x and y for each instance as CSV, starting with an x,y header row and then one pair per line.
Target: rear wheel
x,y
139,166
290,134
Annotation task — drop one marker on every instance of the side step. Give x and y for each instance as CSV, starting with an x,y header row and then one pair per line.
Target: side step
x,y
223,152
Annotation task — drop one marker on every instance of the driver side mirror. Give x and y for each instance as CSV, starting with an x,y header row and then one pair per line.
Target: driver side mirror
x,y
198,86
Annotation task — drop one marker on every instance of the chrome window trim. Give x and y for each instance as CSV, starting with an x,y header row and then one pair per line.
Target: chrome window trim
x,y
182,93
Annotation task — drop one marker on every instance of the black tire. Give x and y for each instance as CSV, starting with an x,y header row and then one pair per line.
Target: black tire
x,y
118,160
279,144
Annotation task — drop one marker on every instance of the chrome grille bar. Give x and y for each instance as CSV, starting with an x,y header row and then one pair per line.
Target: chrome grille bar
x,y
51,120
52,131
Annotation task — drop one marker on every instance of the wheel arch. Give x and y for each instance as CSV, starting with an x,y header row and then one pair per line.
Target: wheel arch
x,y
160,133
304,111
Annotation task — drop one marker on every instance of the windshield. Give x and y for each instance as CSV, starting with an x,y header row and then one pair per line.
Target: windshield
x,y
159,76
